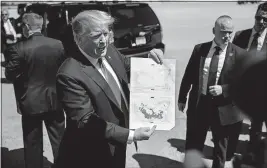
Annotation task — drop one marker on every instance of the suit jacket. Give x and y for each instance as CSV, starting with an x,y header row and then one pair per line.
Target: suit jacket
x,y
241,39
193,75
101,140
250,85
32,67
3,33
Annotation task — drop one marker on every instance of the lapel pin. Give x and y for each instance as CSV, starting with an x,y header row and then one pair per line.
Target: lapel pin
x,y
231,54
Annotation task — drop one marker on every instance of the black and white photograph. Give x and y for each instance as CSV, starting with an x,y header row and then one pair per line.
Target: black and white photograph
x,y
133,84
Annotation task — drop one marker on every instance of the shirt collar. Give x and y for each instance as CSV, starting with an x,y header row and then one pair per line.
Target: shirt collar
x,y
262,34
223,47
31,33
91,59
7,22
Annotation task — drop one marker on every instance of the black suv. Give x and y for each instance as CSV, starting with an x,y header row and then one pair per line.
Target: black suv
x,y
136,29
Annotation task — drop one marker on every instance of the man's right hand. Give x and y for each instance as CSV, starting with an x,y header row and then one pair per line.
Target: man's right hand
x,y
181,106
143,133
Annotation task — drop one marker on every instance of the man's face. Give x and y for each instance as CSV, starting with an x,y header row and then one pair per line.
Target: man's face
x,y
223,31
95,41
20,11
4,15
260,20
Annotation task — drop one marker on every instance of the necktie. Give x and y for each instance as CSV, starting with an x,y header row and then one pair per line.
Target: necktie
x,y
254,44
113,85
213,67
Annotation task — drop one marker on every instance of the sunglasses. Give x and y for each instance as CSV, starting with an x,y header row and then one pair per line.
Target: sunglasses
x,y
4,14
258,18
24,25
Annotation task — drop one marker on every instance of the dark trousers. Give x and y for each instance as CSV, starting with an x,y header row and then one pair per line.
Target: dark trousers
x,y
190,135
208,117
255,133
32,128
6,57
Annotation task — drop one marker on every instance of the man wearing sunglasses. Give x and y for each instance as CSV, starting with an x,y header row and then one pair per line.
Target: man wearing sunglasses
x,y
8,32
254,40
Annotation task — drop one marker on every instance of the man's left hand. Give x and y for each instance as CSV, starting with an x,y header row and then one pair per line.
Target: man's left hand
x,y
215,90
156,55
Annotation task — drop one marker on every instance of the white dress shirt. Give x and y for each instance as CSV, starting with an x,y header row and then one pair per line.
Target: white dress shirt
x,y
10,31
207,65
109,68
260,39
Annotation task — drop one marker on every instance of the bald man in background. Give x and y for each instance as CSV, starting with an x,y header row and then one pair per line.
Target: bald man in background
x,y
209,73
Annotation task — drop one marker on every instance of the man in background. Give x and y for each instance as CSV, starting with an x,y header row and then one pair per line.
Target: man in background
x,y
209,73
32,67
8,32
254,40
18,22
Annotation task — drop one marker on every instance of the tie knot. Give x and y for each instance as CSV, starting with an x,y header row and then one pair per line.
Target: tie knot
x,y
217,50
256,35
100,61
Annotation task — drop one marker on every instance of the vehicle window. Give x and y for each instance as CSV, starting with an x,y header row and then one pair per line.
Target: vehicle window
x,y
133,16
74,10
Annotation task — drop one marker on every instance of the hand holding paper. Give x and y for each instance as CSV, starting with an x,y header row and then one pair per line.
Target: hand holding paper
x,y
156,55
143,133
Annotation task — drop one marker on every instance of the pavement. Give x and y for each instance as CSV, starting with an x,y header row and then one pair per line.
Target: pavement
x,y
184,25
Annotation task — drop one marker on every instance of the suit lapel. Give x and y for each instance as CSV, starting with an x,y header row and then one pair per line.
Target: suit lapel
x,y
2,27
119,71
247,35
92,73
227,61
203,52
264,46
118,68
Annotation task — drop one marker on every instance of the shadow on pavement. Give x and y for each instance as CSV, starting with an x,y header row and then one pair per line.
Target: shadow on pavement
x,y
153,161
180,145
15,158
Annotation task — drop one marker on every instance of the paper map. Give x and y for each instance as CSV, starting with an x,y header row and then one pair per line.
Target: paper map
x,y
152,93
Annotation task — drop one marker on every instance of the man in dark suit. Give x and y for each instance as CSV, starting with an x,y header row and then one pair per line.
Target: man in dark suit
x,y
209,73
93,88
21,10
8,30
32,67
254,40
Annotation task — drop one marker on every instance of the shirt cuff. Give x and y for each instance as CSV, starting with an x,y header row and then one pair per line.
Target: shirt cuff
x,y
130,137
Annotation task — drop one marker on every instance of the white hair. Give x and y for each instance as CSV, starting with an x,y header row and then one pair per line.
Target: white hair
x,y
34,20
88,19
